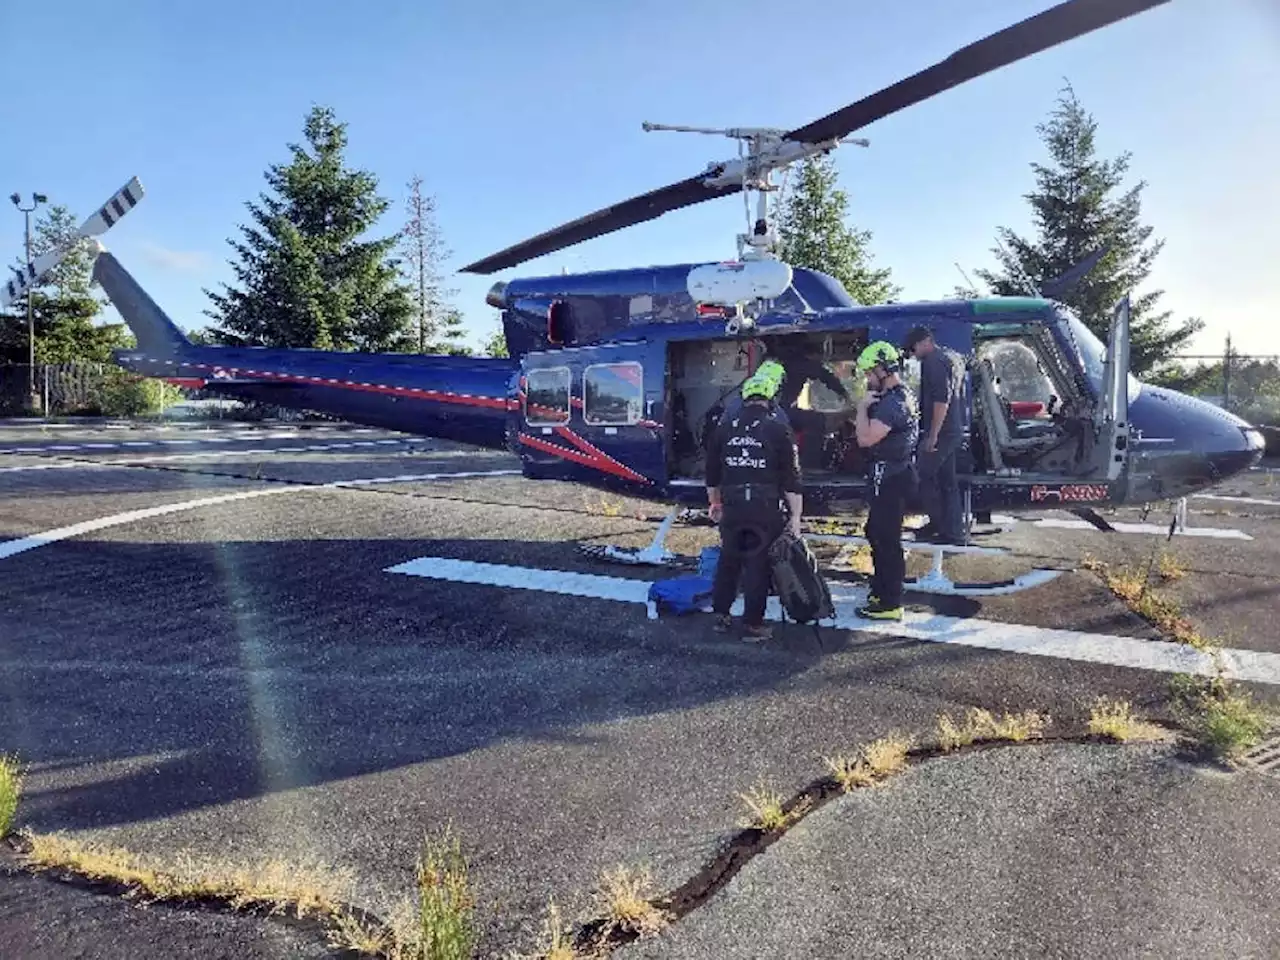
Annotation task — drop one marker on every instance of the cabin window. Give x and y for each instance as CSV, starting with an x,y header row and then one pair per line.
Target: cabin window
x,y
613,394
546,400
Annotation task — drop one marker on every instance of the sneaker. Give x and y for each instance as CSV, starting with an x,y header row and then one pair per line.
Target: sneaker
x,y
723,623
875,611
757,634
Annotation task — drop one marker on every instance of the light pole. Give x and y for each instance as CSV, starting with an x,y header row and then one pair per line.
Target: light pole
x,y
36,200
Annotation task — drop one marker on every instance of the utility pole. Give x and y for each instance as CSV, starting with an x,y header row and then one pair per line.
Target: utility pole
x,y
36,200
1226,376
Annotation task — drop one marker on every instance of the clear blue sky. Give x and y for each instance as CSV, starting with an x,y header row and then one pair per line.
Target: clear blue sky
x,y
521,116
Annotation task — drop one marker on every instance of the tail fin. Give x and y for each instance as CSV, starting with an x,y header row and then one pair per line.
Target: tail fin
x,y
106,217
157,335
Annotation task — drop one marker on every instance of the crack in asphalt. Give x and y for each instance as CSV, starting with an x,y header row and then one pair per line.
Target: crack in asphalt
x,y
600,936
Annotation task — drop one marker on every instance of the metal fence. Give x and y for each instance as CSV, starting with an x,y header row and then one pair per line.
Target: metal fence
x,y
62,389
1248,385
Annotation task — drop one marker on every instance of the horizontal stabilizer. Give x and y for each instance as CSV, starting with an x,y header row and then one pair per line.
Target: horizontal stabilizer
x,y
157,335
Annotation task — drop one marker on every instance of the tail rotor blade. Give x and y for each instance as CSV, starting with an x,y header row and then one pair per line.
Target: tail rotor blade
x,y
106,217
109,214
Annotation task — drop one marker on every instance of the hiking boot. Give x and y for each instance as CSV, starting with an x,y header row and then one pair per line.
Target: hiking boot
x,y
875,610
723,623
757,634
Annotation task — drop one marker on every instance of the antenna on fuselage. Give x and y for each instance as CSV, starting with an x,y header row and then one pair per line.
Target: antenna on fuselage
x,y
1028,286
766,150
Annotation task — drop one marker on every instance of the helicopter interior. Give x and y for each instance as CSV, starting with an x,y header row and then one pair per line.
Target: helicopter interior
x,y
705,375
1030,409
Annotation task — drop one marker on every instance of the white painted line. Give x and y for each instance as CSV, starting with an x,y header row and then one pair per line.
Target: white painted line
x,y
9,548
1258,501
1213,532
177,457
1160,655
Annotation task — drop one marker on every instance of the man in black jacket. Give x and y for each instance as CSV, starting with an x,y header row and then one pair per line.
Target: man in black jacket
x,y
752,465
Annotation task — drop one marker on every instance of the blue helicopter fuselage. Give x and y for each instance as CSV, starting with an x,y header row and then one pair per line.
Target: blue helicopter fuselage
x,y
603,365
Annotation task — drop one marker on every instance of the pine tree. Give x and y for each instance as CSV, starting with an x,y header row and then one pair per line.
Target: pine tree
x,y
813,233
423,253
306,279
496,345
1077,213
66,305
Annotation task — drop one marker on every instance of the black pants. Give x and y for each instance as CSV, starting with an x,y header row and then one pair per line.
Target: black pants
x,y
746,532
939,491
884,534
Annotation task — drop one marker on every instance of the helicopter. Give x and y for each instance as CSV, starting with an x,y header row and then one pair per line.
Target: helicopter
x,y
613,377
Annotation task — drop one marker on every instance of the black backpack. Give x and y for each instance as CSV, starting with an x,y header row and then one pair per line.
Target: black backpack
x,y
801,588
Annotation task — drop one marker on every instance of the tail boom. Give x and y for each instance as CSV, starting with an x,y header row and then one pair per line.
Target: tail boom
x,y
465,399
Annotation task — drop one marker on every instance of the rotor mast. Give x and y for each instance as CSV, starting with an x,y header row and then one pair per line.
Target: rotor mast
x,y
766,150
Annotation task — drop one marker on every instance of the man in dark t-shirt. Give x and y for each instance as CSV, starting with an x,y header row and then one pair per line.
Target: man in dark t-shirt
x,y
887,425
943,400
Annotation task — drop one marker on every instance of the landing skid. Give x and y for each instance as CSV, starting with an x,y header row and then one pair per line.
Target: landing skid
x,y
654,555
935,581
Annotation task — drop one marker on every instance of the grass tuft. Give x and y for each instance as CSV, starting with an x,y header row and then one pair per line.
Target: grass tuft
x,y
1224,719
625,898
1115,720
982,724
446,929
873,762
273,885
10,792
765,806
1135,589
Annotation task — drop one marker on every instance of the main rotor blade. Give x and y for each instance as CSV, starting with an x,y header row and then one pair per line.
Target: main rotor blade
x,y
606,220
1056,25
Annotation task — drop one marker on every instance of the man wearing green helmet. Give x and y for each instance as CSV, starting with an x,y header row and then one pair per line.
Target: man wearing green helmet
x,y
752,466
887,425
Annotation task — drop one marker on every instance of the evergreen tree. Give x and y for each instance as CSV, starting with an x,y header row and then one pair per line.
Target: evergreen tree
x,y
813,233
66,305
423,253
1076,213
306,279
496,345
450,329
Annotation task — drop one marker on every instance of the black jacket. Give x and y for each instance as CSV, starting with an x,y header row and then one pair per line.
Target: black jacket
x,y
757,450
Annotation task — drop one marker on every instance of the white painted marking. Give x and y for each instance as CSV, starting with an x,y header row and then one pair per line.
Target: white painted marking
x,y
1258,501
1160,655
1148,528
176,457
9,548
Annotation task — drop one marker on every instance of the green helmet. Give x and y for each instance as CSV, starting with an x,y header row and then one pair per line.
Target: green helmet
x,y
881,353
765,382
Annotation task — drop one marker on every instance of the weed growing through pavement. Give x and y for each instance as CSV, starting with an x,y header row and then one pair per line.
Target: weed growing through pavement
x,y
765,806
624,898
1223,718
446,928
1115,720
10,792
872,763
982,724
1135,589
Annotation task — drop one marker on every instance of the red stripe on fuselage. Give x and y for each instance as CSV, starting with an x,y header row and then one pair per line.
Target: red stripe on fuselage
x,y
587,455
437,395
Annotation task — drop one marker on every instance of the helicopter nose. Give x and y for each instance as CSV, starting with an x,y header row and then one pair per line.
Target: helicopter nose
x,y
1191,443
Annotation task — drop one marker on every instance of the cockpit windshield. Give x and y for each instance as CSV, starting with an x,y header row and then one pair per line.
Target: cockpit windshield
x,y
1092,353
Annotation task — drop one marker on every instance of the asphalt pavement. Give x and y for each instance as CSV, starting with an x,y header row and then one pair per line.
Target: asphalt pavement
x,y
244,677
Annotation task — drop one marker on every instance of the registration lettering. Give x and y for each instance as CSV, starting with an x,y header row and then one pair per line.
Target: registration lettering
x,y
1070,493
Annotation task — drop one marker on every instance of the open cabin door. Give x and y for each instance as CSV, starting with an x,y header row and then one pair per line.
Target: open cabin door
x,y
592,415
1113,413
